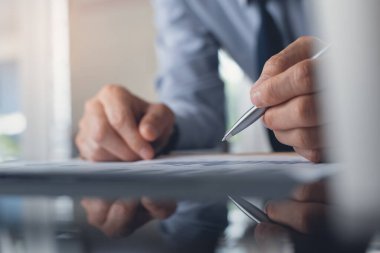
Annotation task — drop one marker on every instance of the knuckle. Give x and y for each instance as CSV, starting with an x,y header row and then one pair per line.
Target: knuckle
x,y
271,92
112,89
303,70
303,75
100,132
269,120
118,119
304,109
275,64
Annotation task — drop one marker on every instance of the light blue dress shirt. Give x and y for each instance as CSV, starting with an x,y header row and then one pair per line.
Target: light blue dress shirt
x,y
190,34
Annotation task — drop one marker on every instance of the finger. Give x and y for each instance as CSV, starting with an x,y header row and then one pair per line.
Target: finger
x,y
96,210
95,153
298,51
102,133
119,218
123,111
306,218
305,138
313,155
296,81
314,192
159,210
156,120
160,143
300,112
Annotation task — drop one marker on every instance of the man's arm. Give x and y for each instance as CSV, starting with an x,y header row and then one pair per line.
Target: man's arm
x,y
188,80
195,227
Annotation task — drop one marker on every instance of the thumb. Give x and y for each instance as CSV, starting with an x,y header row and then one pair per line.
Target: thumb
x,y
156,120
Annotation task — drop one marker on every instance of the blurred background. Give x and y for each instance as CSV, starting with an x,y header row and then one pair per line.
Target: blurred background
x,y
54,55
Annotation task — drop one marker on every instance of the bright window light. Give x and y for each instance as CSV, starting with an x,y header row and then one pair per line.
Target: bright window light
x,y
12,124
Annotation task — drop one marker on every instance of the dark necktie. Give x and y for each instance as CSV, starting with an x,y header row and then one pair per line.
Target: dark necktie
x,y
270,42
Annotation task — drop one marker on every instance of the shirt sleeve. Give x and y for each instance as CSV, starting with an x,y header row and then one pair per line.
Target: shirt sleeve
x,y
188,80
195,226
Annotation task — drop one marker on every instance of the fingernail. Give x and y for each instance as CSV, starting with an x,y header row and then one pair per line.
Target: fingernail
x,y
146,153
256,98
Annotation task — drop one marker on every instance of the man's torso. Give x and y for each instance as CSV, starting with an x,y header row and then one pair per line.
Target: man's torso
x,y
235,24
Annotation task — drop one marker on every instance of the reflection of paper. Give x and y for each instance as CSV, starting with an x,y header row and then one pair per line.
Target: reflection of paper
x,y
182,166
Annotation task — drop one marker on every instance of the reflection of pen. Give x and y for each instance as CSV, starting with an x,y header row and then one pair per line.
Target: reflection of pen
x,y
249,209
253,114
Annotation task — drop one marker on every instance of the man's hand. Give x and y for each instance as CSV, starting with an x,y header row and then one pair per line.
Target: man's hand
x,y
306,212
118,126
286,87
123,217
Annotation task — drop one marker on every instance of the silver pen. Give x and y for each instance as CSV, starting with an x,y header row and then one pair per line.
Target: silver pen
x,y
253,114
249,209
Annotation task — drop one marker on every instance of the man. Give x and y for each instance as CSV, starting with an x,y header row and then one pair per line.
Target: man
x,y
120,126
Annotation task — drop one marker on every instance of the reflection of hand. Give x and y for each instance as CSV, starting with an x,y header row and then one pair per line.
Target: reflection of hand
x,y
275,238
302,225
287,88
118,126
306,212
123,217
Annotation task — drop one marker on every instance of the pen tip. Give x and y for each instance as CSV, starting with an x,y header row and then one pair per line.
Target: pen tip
x,y
226,137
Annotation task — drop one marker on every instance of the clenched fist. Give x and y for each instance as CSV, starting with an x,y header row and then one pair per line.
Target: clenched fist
x,y
118,126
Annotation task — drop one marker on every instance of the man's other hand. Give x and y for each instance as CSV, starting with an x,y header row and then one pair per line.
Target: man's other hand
x,y
118,126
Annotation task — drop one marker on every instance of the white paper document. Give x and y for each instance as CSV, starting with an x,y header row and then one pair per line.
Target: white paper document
x,y
204,171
